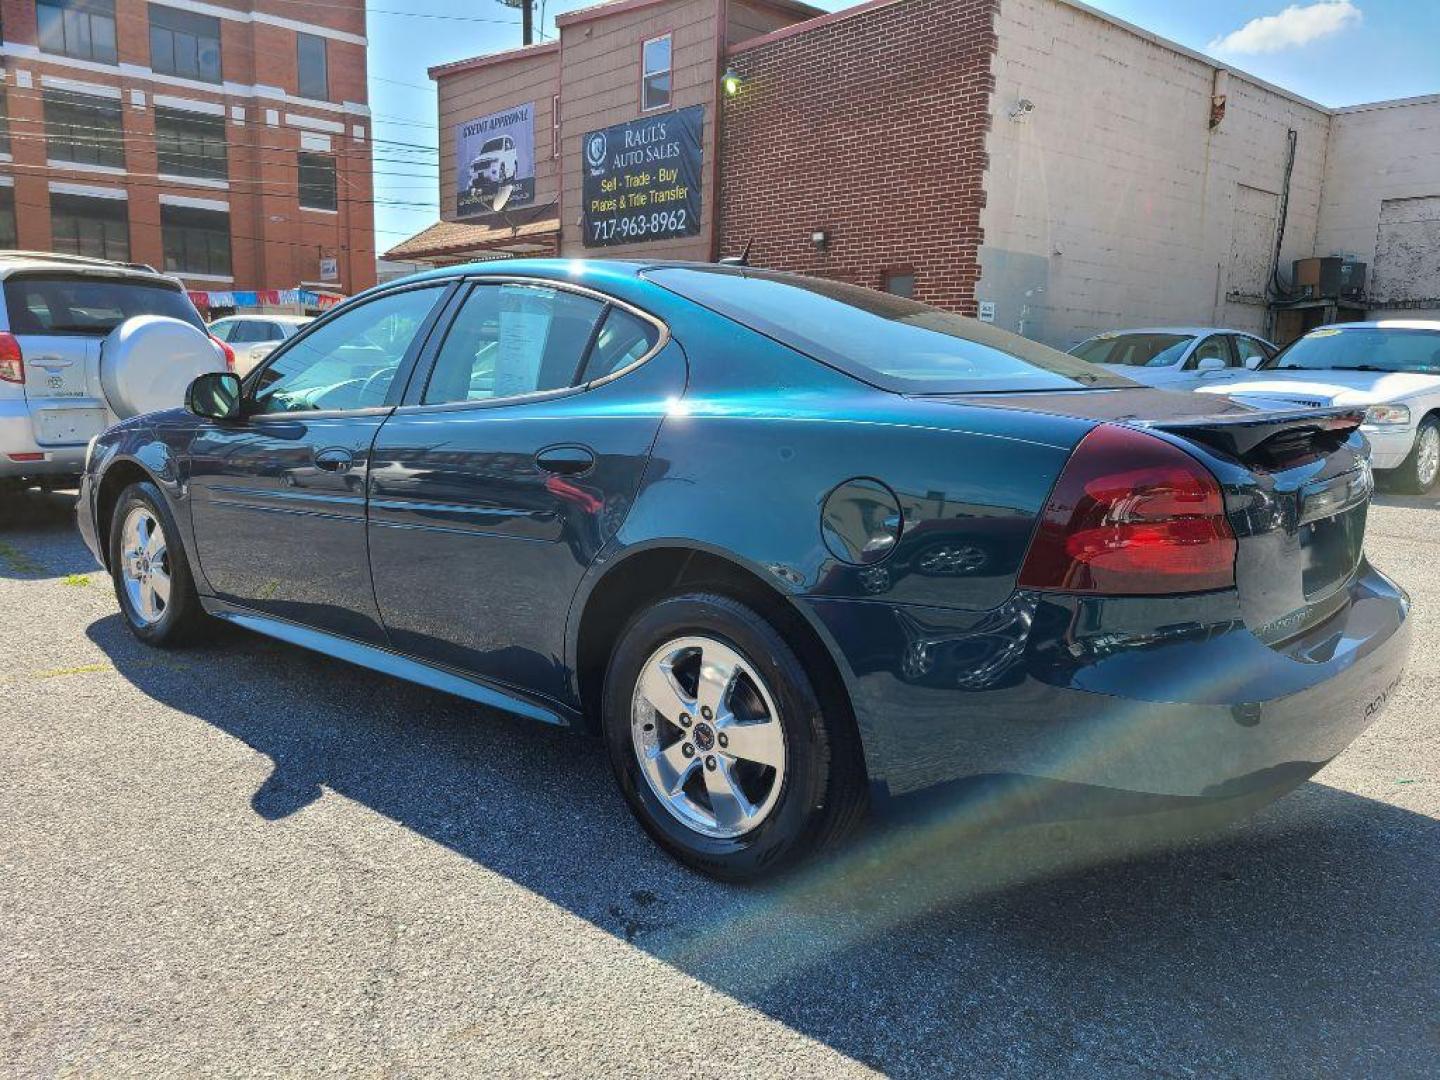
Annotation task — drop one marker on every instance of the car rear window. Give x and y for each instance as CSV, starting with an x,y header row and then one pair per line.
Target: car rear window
x,y
89,306
885,340
1134,350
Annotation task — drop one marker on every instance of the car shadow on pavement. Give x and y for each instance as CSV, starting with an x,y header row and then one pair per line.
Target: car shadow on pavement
x,y
1302,941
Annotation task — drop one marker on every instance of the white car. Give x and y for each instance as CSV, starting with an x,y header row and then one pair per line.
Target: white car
x,y
1175,357
1392,368
496,163
254,337
70,365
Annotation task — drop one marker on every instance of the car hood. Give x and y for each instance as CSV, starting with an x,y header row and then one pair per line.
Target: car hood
x,y
1324,387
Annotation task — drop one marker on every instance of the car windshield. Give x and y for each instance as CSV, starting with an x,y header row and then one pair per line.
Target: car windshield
x,y
1369,348
493,146
90,306
1134,350
887,341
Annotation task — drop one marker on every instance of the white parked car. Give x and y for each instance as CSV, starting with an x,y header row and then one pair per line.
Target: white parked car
x,y
496,163
254,337
1175,357
1391,367
84,343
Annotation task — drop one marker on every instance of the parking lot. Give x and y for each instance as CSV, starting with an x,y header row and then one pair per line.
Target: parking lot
x,y
249,858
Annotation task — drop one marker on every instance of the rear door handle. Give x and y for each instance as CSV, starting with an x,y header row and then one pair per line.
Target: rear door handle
x,y
566,460
334,459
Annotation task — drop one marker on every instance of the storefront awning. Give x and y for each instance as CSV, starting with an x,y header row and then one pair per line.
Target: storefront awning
x,y
455,241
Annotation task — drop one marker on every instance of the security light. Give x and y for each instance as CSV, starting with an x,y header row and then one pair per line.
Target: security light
x,y
731,81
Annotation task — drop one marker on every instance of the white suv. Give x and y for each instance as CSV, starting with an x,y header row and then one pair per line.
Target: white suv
x,y
496,163
57,312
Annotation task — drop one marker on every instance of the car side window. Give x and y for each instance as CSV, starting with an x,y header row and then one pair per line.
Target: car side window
x,y
509,340
222,330
348,363
1249,351
623,339
1212,348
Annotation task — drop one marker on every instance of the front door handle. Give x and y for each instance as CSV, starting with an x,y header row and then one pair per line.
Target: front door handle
x,y
334,459
566,460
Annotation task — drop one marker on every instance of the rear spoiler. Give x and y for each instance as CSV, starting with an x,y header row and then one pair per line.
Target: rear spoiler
x,y
1277,434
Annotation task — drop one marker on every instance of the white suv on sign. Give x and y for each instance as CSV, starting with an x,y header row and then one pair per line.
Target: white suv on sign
x,y
496,163
57,314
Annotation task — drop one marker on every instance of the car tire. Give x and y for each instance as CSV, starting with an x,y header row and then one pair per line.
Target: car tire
x,y
151,572
1419,473
787,773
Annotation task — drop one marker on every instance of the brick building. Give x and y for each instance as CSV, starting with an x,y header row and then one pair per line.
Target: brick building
x,y
1034,162
226,142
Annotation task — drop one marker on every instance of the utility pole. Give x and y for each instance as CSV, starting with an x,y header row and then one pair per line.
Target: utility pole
x,y
527,18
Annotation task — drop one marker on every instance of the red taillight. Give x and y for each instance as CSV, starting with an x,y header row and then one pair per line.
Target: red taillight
x,y
12,362
1131,514
227,350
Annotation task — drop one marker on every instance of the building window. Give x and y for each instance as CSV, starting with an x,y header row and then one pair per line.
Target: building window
x,y
84,29
317,181
84,129
314,80
196,241
191,144
7,218
85,225
900,282
555,126
184,43
655,73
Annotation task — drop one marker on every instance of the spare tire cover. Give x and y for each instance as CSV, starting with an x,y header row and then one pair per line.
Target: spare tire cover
x,y
148,362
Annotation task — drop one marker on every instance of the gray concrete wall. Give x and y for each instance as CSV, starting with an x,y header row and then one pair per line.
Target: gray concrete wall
x,y
1114,203
1382,201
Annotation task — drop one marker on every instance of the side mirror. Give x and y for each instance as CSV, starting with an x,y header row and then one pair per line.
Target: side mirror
x,y
1210,363
215,396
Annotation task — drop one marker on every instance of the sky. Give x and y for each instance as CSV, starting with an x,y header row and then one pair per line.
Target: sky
x,y
1336,52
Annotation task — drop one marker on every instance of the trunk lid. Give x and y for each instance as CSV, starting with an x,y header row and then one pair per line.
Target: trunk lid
x,y
62,387
1297,486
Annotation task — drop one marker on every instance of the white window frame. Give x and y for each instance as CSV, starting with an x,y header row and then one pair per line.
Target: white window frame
x,y
646,73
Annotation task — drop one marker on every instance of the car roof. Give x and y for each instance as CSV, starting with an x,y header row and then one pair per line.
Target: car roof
x,y
1432,325
257,317
12,262
1195,331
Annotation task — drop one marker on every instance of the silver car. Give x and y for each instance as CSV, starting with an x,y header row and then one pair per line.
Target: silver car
x,y
254,337
57,311
1175,357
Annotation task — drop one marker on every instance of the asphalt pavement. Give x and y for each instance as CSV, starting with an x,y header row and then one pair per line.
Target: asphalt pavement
x,y
244,858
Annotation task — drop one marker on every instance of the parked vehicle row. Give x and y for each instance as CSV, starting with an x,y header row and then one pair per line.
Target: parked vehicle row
x,y
1391,369
789,546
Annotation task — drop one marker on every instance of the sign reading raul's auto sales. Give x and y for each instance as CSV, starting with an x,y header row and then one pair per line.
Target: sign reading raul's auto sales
x,y
495,161
642,179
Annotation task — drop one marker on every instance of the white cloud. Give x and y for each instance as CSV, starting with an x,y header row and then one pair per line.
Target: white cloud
x,y
1296,25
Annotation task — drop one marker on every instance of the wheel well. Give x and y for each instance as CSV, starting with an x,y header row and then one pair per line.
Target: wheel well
x,y
117,478
645,578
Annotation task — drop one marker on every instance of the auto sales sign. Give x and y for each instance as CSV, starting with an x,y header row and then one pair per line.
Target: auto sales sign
x,y
642,179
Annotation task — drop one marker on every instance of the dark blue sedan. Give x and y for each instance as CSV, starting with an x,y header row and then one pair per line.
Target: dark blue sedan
x,y
791,546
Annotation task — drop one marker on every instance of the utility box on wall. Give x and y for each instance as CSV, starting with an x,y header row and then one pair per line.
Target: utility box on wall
x,y
1332,277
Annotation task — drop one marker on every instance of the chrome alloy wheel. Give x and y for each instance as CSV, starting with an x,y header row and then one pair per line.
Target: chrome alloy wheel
x,y
707,735
145,565
1427,459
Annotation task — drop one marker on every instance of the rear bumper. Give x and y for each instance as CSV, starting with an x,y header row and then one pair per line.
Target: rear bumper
x,y
85,518
17,436
1190,713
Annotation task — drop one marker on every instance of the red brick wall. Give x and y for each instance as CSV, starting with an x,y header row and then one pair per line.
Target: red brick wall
x,y
871,127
